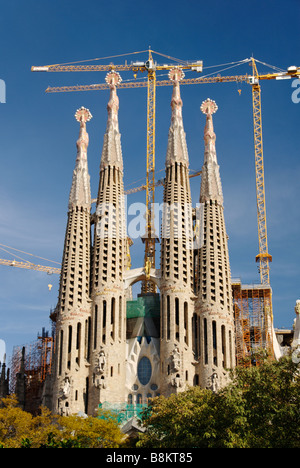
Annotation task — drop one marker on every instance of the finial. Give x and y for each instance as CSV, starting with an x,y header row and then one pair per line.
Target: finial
x,y
83,115
209,107
176,74
113,78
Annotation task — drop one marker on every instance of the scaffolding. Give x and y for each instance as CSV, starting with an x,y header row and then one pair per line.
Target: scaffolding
x,y
253,329
123,412
34,360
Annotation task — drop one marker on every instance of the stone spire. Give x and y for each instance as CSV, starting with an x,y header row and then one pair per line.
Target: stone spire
x,y
108,332
112,152
177,148
73,308
213,321
176,287
211,187
80,193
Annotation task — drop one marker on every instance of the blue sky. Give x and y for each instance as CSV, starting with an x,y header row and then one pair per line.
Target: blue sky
x,y
39,132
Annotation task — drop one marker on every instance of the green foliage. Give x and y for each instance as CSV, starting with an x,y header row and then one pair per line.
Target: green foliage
x,y
260,408
19,429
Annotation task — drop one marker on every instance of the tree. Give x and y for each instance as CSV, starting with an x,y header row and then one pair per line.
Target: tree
x,y
91,432
19,429
191,419
270,398
14,423
260,408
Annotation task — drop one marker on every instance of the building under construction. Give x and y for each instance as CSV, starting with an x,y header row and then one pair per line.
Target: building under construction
x,y
29,368
191,322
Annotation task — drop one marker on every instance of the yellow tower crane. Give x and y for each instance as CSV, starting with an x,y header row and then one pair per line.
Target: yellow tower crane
x,y
151,67
25,263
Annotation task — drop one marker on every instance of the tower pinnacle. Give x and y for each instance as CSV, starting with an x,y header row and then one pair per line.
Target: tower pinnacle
x,y
82,115
112,153
108,319
80,193
211,188
73,308
214,346
176,286
177,148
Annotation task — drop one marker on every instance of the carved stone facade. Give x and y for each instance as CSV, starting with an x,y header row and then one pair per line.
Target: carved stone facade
x,y
176,286
214,319
73,311
110,349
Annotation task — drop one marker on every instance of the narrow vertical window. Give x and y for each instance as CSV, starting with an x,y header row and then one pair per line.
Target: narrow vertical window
x,y
194,335
112,318
177,317
69,346
223,337
214,332
120,317
168,317
104,321
199,334
86,396
61,351
78,336
104,314
162,319
214,337
78,343
230,349
205,342
89,338
186,328
95,326
177,310
70,339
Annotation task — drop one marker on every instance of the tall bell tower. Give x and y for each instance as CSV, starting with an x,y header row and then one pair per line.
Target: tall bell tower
x,y
73,310
214,341
108,319
176,285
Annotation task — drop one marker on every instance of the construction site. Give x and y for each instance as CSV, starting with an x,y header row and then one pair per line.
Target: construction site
x,y
191,321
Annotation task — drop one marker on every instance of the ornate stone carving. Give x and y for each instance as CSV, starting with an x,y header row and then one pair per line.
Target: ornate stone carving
x,y
213,382
66,387
101,362
175,359
176,381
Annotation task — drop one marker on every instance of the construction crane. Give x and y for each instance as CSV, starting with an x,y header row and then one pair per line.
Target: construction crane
x,y
159,183
151,67
30,266
25,263
264,258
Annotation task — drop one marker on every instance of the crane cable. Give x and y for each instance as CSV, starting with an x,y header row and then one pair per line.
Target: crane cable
x,y
21,251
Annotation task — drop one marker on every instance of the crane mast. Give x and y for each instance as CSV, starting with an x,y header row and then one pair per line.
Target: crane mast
x,y
150,236
264,258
